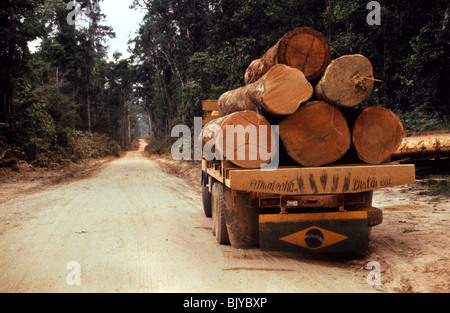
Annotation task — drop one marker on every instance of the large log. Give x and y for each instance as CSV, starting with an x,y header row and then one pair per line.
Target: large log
x,y
244,138
347,81
377,133
303,48
424,145
317,134
209,132
279,92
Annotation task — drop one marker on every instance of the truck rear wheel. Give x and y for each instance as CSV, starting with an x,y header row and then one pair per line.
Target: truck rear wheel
x,y
242,219
218,208
206,195
206,199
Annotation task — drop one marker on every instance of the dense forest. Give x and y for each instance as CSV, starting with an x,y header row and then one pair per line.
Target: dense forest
x,y
68,100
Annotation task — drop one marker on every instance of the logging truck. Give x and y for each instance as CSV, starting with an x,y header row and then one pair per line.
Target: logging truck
x,y
333,155
312,209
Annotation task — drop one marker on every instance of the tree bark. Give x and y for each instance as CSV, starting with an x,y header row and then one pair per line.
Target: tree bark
x,y
149,122
125,129
89,114
244,138
347,81
424,145
279,92
317,134
377,134
303,48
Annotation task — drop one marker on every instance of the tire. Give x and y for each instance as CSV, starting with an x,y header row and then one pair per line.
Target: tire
x,y
374,216
242,219
206,195
206,198
218,208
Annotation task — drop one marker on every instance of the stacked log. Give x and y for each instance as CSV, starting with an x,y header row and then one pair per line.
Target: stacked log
x,y
279,92
315,128
245,138
377,134
347,81
303,48
424,145
317,134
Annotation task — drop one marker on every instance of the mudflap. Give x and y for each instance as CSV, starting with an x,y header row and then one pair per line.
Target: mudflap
x,y
314,232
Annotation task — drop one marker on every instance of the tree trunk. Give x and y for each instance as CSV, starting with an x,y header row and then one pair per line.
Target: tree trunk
x,y
377,134
424,145
317,134
303,48
89,114
244,138
279,92
7,107
125,136
149,122
347,81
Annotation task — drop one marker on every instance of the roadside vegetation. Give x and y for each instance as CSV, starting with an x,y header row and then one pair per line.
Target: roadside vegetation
x,y
436,185
65,100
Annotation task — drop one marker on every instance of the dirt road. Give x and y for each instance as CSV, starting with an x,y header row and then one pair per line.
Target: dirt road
x,y
132,227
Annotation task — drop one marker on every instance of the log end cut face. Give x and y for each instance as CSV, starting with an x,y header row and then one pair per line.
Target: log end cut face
x,y
347,81
317,134
305,49
246,139
285,89
377,134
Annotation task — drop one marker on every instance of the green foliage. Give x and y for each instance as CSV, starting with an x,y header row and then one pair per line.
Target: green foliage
x,y
422,85
53,99
439,189
82,145
32,124
437,184
159,145
19,24
409,53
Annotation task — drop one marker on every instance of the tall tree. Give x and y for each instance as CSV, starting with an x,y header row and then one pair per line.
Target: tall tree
x,y
19,24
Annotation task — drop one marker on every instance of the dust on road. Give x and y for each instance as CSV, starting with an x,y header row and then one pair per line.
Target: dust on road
x,y
132,227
